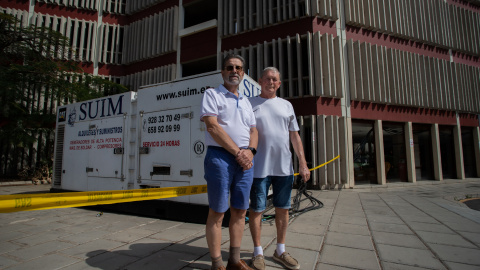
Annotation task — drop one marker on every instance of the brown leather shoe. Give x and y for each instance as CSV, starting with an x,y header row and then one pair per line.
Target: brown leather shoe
x,y
241,265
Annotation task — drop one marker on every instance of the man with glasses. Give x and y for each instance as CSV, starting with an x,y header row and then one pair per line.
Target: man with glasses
x,y
231,137
277,127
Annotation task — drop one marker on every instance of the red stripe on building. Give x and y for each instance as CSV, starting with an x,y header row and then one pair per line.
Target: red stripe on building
x,y
464,5
316,106
470,120
160,7
466,59
363,35
267,34
372,111
111,70
199,45
87,67
324,27
115,19
123,70
16,4
68,12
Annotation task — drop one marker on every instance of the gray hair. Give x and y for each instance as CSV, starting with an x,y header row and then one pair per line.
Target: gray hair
x,y
230,56
267,69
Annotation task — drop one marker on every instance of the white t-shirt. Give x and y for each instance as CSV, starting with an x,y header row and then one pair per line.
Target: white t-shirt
x,y
275,119
234,114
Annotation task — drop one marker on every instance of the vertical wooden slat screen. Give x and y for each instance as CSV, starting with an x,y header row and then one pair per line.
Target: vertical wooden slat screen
x,y
109,6
434,22
385,75
320,54
142,40
246,15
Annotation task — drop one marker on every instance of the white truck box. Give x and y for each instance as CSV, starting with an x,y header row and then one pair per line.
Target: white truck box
x,y
152,138
89,142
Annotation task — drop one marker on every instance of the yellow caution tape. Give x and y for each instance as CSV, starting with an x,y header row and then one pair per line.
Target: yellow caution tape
x,y
321,165
29,202
469,199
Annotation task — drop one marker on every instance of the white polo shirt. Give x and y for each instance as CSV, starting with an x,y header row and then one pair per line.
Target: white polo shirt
x,y
234,114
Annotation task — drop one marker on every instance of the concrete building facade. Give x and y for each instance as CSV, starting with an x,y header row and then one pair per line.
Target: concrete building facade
x,y
393,87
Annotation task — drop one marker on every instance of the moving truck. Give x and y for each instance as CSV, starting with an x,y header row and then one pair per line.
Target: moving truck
x,y
146,139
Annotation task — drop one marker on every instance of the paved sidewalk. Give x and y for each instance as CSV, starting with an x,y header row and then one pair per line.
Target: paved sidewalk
x,y
400,226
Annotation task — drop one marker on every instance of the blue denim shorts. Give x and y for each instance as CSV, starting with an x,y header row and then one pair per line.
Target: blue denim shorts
x,y
282,192
226,178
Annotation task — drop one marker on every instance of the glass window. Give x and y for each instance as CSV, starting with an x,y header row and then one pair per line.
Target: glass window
x,y
365,169
447,150
199,12
422,139
469,152
199,66
395,152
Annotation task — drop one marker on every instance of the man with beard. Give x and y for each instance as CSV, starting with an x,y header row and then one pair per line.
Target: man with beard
x,y
231,137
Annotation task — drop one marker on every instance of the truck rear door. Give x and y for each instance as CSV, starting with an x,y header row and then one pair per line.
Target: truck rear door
x,y
165,148
106,164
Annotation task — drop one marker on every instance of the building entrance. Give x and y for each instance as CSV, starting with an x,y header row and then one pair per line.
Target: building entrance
x,y
422,138
365,169
447,150
394,149
469,152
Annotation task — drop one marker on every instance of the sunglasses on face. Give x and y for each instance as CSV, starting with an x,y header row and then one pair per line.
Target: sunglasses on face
x,y
230,68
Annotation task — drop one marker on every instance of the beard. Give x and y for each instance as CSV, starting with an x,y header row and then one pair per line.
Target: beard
x,y
230,79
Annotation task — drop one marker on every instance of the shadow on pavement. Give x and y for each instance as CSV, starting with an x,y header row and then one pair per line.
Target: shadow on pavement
x,y
154,256
473,204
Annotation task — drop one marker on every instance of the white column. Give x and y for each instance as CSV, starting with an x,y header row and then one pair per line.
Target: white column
x,y
105,37
82,39
346,143
379,153
410,153
457,142
321,151
117,45
181,16
346,149
437,156
313,147
330,149
31,11
98,37
476,142
111,57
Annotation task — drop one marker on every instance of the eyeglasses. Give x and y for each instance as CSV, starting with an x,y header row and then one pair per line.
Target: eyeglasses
x,y
230,68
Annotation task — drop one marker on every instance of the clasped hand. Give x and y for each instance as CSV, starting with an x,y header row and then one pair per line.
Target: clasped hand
x,y
244,158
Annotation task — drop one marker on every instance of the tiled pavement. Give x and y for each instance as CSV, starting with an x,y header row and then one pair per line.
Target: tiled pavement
x,y
399,226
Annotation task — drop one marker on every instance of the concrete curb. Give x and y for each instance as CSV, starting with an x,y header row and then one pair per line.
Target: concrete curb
x,y
30,182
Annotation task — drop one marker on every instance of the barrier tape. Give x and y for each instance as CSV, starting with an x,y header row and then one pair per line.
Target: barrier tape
x,y
30,202
321,165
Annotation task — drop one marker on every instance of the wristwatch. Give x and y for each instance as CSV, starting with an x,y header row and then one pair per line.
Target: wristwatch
x,y
254,151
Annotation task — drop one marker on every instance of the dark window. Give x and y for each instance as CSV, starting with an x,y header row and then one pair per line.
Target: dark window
x,y
199,66
422,139
365,168
395,152
199,12
447,150
469,152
